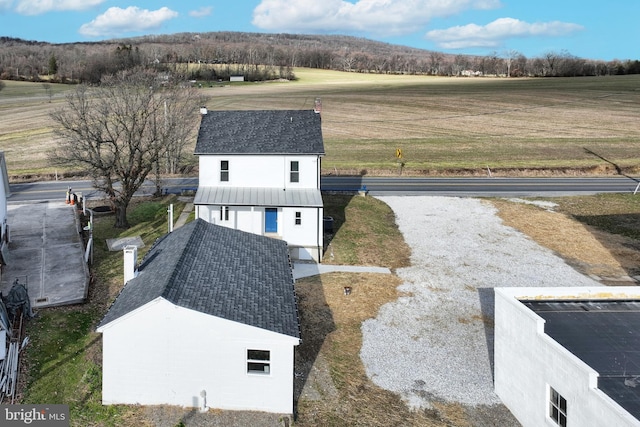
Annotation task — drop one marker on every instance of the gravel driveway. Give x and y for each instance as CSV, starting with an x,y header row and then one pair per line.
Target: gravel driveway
x,y
436,342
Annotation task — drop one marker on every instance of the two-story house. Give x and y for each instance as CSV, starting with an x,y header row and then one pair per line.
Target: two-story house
x,y
260,173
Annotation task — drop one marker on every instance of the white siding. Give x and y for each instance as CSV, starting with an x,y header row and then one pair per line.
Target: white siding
x,y
527,362
249,219
304,240
164,354
260,171
3,201
305,235
268,171
3,210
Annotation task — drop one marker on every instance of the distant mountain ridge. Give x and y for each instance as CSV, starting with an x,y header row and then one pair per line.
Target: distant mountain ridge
x,y
279,52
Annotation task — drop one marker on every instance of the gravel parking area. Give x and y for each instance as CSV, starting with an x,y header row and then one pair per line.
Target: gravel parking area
x,y
435,343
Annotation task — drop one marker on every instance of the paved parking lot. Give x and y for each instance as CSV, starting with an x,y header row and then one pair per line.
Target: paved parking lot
x,y
46,254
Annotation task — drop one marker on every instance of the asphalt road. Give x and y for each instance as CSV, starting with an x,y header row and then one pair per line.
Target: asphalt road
x,y
462,187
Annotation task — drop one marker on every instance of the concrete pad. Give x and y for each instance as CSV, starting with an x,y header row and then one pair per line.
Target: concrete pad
x,y
119,244
46,254
306,269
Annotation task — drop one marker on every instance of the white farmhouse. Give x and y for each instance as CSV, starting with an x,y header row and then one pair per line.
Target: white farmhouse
x,y
4,194
569,356
260,173
208,320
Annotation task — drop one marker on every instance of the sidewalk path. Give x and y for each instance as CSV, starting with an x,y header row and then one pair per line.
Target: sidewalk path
x,y
306,269
184,215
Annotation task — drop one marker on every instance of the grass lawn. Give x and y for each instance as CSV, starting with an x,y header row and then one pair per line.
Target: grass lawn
x,y
63,359
63,362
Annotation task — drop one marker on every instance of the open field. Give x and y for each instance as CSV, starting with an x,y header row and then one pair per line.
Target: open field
x,y
443,125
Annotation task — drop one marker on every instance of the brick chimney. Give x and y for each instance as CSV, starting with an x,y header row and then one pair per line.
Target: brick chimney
x,y
130,262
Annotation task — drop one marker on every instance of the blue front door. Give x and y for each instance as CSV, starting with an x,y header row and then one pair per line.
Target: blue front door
x,y
271,220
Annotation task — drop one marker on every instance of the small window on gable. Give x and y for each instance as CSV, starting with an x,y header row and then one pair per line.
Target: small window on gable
x,y
258,361
295,172
557,408
224,213
224,170
298,218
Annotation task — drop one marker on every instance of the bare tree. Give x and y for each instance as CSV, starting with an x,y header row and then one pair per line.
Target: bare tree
x,y
113,131
175,127
509,56
48,89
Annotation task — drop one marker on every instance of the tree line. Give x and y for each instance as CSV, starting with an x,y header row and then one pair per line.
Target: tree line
x,y
259,56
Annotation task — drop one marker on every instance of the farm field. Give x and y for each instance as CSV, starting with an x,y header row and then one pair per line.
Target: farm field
x,y
442,125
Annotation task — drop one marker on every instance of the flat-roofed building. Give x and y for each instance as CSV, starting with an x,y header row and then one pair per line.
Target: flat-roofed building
x,y
569,356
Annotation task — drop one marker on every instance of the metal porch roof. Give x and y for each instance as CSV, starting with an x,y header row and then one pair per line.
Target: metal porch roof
x,y
252,196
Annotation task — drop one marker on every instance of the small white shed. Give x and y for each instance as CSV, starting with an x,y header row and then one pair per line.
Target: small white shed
x,y
210,320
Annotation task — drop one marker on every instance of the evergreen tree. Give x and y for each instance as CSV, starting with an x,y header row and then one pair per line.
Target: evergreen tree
x,y
53,66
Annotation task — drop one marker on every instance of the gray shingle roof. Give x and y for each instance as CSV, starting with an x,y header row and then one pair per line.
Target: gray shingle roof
x,y
258,196
260,132
219,271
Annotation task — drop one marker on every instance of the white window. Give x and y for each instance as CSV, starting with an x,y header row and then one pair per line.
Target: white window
x,y
294,175
224,213
224,170
258,361
298,218
557,408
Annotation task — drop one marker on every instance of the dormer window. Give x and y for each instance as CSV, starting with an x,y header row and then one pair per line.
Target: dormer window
x,y
294,175
224,170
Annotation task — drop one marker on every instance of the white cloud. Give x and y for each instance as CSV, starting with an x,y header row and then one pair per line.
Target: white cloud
x,y
382,17
202,12
496,32
116,21
37,7
5,4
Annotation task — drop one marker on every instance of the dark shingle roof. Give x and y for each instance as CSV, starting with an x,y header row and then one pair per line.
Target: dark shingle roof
x,y
260,132
219,271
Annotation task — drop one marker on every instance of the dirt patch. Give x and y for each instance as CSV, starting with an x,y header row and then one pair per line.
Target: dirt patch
x,y
335,389
587,249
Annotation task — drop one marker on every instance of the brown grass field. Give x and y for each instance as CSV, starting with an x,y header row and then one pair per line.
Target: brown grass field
x,y
443,125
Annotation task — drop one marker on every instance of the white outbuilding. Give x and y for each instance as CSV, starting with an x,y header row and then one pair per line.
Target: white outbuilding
x,y
569,356
209,319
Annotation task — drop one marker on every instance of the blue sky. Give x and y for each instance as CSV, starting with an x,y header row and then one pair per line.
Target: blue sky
x,y
603,30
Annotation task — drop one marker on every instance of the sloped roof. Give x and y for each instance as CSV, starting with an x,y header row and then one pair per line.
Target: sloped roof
x,y
219,271
258,196
260,132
